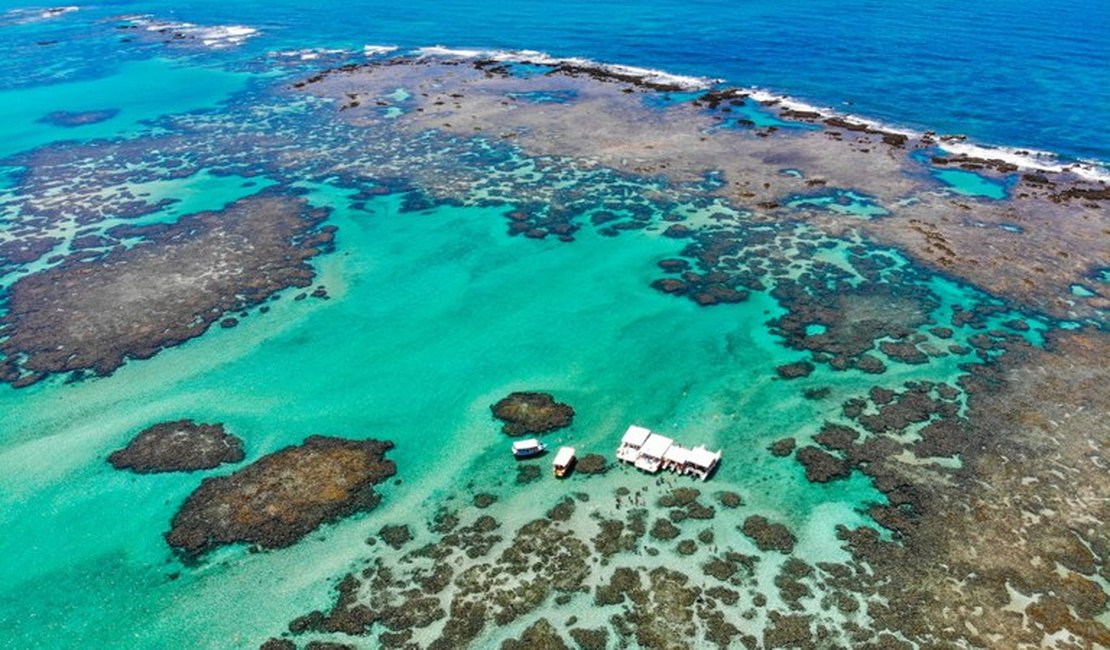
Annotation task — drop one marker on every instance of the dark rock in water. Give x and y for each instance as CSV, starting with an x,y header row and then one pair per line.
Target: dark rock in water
x,y
795,370
71,119
663,529
782,448
821,466
817,393
590,639
768,535
674,265
525,413
670,285
563,510
526,474
278,644
229,322
484,500
870,364
281,497
836,436
677,231
881,395
904,351
327,645
712,294
395,535
679,497
592,464
178,446
539,636
730,500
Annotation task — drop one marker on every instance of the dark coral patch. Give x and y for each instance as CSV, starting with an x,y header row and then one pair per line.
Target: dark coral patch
x,y
524,413
281,497
93,315
178,446
78,118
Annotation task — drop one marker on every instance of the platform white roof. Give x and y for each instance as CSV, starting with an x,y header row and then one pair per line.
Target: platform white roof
x,y
677,454
656,446
526,444
635,436
702,457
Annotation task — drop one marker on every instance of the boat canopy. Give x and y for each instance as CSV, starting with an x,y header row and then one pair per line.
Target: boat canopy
x,y
525,445
564,457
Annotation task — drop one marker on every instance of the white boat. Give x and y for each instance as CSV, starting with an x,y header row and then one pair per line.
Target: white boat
x,y
528,448
564,461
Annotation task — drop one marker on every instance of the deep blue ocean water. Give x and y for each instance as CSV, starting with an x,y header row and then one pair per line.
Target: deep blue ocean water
x,y
1020,73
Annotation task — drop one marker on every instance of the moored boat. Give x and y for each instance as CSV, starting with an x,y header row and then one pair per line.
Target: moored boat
x,y
564,461
528,448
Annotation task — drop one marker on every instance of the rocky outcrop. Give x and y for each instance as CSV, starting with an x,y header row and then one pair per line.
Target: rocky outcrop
x,y
178,446
768,535
281,497
525,413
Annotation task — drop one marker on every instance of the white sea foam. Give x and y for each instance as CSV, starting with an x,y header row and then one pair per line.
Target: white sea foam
x,y
308,54
1033,160
26,16
54,12
212,36
378,50
1027,159
648,75
955,145
449,52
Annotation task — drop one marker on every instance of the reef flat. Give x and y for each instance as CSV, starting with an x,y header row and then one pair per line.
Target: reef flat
x,y
93,310
1013,248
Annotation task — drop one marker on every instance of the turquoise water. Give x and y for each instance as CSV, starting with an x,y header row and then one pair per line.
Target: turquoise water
x,y
970,183
140,90
379,360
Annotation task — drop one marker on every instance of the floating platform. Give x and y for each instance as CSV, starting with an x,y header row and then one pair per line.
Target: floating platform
x,y
651,452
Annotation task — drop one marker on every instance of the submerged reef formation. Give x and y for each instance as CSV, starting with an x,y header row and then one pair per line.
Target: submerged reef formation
x,y
178,446
92,312
79,118
525,413
283,496
1010,549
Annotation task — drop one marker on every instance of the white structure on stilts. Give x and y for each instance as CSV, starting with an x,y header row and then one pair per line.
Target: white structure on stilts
x,y
651,452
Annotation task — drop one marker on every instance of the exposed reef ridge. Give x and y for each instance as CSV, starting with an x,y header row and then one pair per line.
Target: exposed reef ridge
x,y
525,413
283,496
178,446
91,313
895,196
